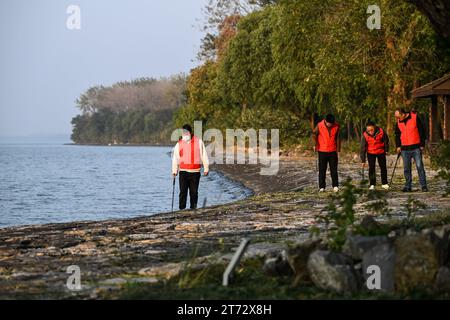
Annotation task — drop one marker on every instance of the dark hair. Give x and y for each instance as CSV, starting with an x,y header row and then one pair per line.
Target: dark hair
x,y
330,118
402,111
188,128
370,123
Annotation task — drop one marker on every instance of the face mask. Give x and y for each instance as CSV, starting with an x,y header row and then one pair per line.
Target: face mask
x,y
186,138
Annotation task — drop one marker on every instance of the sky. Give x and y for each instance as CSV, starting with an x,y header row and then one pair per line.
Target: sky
x,y
45,66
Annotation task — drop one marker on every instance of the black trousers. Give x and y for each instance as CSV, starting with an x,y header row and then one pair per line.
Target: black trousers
x,y
372,158
189,181
326,158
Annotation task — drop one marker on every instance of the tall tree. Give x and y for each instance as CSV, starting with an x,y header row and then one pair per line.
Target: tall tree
x,y
438,12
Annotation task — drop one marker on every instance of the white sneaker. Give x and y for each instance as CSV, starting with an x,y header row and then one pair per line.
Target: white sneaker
x,y
321,190
385,186
372,187
335,189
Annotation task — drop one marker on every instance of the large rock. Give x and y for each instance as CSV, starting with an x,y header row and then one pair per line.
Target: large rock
x,y
297,257
262,250
443,280
277,266
443,235
418,259
166,271
356,246
369,224
442,232
382,256
123,281
332,271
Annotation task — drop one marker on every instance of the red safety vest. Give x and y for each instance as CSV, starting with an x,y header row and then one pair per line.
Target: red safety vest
x,y
326,140
375,144
190,158
409,132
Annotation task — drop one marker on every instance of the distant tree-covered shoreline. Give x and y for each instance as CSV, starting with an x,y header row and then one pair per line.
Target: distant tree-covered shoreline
x,y
136,112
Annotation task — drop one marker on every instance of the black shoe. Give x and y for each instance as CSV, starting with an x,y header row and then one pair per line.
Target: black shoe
x,y
425,189
406,189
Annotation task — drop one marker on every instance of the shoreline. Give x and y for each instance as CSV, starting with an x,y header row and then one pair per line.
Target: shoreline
x,y
246,190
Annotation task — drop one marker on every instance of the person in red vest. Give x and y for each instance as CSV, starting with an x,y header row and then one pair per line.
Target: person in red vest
x,y
410,141
375,143
326,135
188,156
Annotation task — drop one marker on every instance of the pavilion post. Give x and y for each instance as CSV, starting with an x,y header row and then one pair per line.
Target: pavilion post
x,y
434,121
446,128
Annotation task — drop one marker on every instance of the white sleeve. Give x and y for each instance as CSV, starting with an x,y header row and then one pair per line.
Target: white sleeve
x,y
175,158
204,156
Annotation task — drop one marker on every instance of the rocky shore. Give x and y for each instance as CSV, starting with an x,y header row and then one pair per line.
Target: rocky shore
x,y
144,250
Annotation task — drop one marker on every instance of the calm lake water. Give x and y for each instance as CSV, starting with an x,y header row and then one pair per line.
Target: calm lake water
x,y
52,182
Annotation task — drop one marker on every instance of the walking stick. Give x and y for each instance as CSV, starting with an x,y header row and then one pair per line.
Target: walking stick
x,y
395,166
317,162
173,191
317,168
316,120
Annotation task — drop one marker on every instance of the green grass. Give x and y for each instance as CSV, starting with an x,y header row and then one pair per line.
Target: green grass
x,y
419,223
249,283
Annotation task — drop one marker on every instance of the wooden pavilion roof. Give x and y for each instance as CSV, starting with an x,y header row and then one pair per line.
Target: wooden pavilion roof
x,y
437,87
